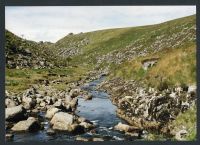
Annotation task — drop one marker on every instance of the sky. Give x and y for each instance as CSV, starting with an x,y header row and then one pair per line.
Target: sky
x,y
51,23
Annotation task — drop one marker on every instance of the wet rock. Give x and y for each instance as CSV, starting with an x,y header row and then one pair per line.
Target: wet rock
x,y
82,119
15,114
9,137
87,125
31,125
51,112
51,132
125,127
8,125
97,139
78,138
74,103
74,93
62,119
132,134
88,97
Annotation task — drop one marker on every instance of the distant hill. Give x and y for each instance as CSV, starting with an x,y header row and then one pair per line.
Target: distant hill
x,y
103,48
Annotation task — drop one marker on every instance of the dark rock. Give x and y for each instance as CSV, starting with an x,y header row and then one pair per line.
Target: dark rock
x,y
50,132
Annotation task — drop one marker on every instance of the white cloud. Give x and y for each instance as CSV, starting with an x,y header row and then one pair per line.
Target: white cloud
x,y
52,23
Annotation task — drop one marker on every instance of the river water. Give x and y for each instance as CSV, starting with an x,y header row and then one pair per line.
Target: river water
x,y
99,110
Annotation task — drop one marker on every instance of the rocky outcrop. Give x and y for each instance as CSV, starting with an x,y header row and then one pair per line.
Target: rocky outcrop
x,y
148,108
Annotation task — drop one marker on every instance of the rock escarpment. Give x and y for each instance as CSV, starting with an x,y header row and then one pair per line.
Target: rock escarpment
x,y
149,109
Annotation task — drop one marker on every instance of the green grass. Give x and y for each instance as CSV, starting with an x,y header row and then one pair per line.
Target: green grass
x,y
20,79
187,119
175,67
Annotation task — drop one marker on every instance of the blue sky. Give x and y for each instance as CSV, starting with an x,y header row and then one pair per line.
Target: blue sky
x,y
52,23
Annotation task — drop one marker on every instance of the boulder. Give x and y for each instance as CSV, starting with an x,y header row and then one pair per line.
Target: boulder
x,y
78,138
73,128
51,112
97,139
10,103
86,125
88,97
125,127
15,114
62,121
68,98
48,100
42,104
31,124
58,104
74,93
74,103
82,119
28,102
62,118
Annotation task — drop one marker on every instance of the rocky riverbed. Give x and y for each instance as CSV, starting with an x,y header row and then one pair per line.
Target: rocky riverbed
x,y
82,113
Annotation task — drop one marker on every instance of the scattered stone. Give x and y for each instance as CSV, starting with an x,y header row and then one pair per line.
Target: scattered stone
x,y
78,138
125,127
31,125
74,93
87,125
9,103
51,112
181,134
97,139
88,97
15,114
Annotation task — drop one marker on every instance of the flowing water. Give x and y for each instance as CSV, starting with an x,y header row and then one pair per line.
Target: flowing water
x,y
99,110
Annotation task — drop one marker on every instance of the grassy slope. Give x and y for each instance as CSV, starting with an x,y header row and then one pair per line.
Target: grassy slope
x,y
175,67
104,41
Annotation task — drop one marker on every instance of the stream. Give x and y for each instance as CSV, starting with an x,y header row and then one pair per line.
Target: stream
x,y
99,110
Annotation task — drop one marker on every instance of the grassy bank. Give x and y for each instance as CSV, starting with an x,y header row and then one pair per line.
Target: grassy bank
x,y
20,79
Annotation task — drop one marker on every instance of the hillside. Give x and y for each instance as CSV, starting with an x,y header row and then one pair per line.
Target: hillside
x,y
150,72
113,46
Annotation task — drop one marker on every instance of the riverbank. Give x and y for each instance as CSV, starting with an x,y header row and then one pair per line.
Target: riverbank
x,y
151,109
